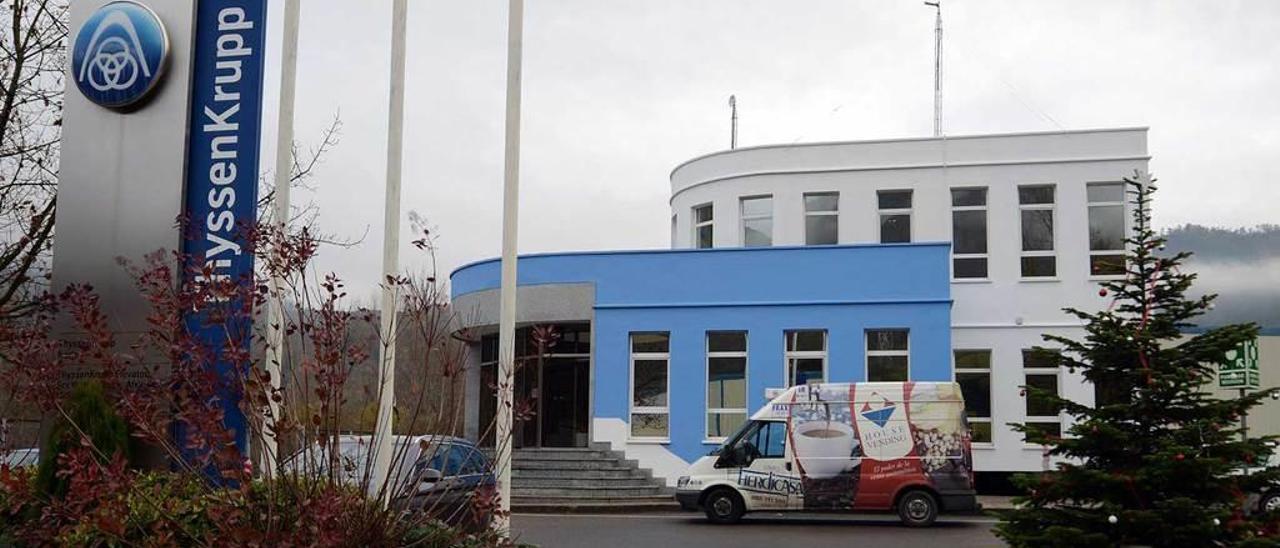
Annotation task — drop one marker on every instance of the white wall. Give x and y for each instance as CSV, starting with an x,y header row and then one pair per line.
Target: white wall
x,y
1004,313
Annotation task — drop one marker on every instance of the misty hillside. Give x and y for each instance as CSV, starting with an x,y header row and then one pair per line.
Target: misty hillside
x,y
1241,265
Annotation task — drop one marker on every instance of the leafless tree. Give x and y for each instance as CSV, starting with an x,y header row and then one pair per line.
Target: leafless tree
x,y
32,57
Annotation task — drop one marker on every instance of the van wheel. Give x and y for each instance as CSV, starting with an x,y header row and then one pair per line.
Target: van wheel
x,y
917,508
1270,502
723,506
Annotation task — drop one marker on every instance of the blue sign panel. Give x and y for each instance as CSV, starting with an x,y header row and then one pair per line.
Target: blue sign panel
x,y
222,179
120,54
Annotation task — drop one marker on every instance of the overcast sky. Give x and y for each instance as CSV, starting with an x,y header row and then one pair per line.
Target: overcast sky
x,y
616,93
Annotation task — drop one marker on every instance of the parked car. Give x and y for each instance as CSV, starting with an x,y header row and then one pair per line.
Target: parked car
x,y
883,446
1267,499
438,475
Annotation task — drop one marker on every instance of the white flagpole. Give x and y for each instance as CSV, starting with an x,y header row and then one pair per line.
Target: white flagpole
x,y
510,224
383,447
284,172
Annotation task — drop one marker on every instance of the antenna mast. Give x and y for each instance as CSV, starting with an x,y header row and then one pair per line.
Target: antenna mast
x,y
937,69
733,122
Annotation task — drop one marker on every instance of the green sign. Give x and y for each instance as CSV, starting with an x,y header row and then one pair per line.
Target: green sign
x,y
1241,367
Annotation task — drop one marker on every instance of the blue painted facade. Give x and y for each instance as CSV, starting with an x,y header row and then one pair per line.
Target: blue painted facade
x,y
763,291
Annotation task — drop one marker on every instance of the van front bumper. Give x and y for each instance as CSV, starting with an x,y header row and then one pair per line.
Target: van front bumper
x,y
688,499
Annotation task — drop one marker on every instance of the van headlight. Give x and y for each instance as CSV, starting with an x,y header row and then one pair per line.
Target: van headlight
x,y
682,482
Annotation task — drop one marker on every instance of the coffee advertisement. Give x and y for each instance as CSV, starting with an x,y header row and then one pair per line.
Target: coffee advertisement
x,y
854,444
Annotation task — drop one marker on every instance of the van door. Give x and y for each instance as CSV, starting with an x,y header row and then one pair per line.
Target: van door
x,y
766,479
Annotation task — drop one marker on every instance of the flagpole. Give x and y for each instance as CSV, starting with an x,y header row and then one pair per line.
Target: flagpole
x,y
510,225
382,446
283,176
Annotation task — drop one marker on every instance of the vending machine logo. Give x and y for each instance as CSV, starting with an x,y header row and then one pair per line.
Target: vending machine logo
x,y
879,415
119,55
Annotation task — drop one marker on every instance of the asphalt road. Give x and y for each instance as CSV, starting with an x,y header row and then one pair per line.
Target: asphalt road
x,y
762,530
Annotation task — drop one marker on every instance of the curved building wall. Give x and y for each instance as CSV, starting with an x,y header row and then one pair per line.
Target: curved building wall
x,y
1004,312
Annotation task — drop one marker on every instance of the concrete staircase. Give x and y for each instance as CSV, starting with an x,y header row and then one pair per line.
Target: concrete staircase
x,y
589,479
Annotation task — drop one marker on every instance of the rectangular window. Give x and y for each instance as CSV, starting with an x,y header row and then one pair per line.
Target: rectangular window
x,y
973,372
650,409
1035,203
888,358
969,232
895,216
822,218
703,226
806,356
1106,229
1041,371
757,221
726,382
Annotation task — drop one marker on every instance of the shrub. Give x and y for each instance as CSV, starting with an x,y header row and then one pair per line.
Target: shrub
x,y
86,414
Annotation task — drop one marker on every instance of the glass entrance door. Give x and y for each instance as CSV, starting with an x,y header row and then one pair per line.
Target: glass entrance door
x,y
564,402
551,391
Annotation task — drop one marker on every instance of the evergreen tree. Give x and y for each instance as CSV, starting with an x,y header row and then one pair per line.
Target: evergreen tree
x,y
1157,461
88,412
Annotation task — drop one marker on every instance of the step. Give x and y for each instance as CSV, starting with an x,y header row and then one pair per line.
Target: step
x,y
594,491
570,455
521,474
577,483
573,465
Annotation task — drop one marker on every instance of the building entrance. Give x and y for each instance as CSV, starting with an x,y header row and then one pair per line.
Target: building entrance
x,y
552,388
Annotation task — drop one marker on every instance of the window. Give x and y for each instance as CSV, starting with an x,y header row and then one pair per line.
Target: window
x,y
650,356
1040,367
822,218
969,232
895,216
887,355
769,438
973,372
757,221
1106,229
1036,205
806,356
703,218
726,382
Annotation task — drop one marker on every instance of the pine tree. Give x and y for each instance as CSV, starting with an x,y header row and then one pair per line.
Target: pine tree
x,y
1156,462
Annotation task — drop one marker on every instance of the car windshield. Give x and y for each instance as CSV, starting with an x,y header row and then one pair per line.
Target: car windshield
x,y
451,460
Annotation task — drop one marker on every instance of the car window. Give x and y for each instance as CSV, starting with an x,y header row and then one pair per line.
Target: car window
x,y
772,440
475,461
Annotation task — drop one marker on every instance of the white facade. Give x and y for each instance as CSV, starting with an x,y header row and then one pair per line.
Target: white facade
x,y
1004,312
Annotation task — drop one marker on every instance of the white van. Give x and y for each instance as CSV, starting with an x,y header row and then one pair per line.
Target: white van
x,y
875,446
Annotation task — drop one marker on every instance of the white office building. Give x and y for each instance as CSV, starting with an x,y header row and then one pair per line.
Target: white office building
x,y
1036,221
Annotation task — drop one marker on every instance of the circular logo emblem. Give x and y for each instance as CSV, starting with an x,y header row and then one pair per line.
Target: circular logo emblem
x,y
119,54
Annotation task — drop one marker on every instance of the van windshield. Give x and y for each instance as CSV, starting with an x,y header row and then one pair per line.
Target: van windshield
x,y
731,440
763,439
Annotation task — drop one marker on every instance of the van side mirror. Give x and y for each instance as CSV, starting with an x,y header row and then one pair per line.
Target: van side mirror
x,y
737,455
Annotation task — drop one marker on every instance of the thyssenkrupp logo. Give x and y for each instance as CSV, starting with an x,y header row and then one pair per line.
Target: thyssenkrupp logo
x,y
119,55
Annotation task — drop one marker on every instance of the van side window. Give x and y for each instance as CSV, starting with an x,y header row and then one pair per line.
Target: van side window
x,y
773,440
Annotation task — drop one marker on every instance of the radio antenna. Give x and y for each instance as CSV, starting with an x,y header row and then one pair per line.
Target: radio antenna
x,y
733,122
937,68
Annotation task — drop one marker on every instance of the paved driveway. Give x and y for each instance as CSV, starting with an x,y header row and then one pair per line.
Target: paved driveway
x,y
762,530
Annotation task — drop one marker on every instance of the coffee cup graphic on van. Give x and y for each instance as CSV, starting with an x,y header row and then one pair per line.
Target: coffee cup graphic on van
x,y
823,448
